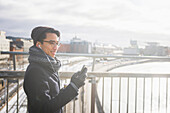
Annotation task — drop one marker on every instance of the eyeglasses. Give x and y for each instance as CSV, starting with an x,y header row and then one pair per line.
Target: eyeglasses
x,y
53,43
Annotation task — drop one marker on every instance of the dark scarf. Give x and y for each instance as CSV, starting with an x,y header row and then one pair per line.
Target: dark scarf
x,y
39,56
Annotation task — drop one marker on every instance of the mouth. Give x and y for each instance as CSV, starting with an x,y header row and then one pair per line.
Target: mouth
x,y
53,52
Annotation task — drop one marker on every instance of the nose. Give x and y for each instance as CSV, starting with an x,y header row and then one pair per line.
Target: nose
x,y
55,47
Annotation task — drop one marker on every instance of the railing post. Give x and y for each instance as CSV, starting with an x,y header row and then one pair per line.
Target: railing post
x,y
103,94
94,60
5,87
7,96
93,89
159,98
167,95
14,62
111,94
127,109
74,105
136,95
144,95
14,67
65,85
119,94
17,95
151,92
82,99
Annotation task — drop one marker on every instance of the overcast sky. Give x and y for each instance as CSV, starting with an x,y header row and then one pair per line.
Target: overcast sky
x,y
108,21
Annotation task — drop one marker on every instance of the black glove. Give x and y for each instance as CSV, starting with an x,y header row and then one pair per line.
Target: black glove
x,y
79,78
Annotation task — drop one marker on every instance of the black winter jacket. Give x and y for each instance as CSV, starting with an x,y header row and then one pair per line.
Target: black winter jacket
x,y
42,87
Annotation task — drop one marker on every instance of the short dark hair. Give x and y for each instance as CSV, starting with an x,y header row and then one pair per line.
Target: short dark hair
x,y
39,33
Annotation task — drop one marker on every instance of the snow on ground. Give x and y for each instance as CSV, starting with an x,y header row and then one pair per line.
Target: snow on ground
x,y
153,67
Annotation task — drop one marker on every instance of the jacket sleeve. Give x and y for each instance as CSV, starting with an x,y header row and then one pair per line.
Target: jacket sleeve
x,y
39,96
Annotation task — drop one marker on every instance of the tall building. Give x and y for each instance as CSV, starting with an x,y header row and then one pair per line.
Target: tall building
x,y
17,46
154,49
133,49
80,46
4,44
27,42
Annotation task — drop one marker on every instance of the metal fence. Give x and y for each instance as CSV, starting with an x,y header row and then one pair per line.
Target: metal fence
x,y
128,86
112,92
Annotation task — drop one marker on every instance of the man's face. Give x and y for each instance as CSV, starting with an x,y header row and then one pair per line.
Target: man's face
x,y
49,45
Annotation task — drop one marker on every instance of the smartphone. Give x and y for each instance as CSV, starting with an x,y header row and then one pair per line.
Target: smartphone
x,y
82,69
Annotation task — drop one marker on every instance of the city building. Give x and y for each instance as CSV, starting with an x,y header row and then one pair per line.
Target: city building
x,y
20,44
27,42
64,47
17,46
154,49
133,49
101,48
4,44
80,46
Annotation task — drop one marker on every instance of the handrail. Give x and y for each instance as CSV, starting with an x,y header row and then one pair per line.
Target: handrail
x,y
20,74
95,55
14,53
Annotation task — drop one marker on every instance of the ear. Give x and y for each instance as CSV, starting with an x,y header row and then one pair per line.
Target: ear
x,y
38,44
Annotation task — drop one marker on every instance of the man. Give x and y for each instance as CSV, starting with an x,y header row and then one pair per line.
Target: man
x,y
41,82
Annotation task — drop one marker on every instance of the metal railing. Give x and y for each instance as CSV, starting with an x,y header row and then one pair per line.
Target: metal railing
x,y
124,90
125,80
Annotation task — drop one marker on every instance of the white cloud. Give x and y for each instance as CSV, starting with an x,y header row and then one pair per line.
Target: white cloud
x,y
113,18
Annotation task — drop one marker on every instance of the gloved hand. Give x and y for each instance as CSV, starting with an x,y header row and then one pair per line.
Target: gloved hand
x,y
79,78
